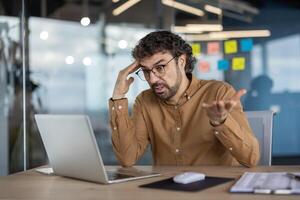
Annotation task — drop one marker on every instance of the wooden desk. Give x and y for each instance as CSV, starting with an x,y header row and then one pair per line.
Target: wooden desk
x,y
32,185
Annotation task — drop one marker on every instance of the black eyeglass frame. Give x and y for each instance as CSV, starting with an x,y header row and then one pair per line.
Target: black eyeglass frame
x,y
156,73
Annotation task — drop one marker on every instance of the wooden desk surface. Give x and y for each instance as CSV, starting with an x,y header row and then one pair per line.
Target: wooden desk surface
x,y
32,185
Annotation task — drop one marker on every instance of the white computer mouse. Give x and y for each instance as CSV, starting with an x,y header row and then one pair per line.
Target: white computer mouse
x,y
188,177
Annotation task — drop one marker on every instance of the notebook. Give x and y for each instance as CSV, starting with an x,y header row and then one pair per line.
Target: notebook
x,y
72,150
268,183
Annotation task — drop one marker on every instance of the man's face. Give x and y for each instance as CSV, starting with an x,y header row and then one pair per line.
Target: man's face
x,y
167,85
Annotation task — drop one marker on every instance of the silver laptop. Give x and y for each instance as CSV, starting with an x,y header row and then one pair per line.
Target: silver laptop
x,y
73,151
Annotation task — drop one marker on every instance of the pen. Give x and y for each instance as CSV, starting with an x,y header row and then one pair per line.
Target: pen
x,y
293,176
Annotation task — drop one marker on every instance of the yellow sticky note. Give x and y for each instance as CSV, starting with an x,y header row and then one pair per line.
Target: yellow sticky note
x,y
238,63
230,46
196,49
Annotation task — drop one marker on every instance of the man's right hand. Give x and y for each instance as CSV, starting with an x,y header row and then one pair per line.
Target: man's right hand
x,y
122,84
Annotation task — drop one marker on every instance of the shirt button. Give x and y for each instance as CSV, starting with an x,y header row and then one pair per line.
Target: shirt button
x,y
188,97
178,128
113,108
177,150
175,107
120,107
230,149
217,132
115,128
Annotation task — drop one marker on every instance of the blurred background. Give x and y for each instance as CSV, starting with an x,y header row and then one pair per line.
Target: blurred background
x,y
63,56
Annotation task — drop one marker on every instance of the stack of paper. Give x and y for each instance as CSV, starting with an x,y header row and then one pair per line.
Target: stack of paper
x,y
267,182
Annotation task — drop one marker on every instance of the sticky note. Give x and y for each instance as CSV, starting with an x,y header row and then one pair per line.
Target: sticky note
x,y
246,45
204,66
238,63
231,46
196,49
213,47
223,65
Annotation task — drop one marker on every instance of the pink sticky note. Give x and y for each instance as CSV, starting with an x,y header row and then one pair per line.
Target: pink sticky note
x,y
204,66
213,47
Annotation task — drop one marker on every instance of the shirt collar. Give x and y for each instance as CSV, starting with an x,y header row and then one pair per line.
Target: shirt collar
x,y
193,87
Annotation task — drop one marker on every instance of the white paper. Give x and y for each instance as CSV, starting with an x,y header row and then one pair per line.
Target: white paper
x,y
269,182
47,170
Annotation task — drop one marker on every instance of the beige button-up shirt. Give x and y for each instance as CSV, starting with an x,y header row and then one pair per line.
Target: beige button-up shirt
x,y
181,134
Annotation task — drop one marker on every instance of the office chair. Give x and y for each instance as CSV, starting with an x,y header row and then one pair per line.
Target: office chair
x,y
261,123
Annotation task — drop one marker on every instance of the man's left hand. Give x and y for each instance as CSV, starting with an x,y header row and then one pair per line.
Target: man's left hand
x,y
219,110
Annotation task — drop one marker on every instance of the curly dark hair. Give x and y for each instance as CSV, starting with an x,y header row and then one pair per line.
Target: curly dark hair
x,y
160,41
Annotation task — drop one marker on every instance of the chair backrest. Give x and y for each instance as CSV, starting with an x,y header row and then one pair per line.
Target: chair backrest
x,y
261,123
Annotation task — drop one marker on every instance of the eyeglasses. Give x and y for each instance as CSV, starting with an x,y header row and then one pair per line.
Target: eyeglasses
x,y
158,70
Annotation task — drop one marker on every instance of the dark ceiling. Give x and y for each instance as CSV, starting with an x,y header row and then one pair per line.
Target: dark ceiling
x,y
72,9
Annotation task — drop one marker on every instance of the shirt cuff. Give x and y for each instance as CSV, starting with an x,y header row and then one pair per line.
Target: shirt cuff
x,y
230,134
118,106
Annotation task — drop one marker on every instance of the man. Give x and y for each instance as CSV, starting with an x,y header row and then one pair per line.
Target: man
x,y
186,121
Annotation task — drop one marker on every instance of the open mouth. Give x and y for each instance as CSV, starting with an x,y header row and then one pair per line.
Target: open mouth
x,y
159,88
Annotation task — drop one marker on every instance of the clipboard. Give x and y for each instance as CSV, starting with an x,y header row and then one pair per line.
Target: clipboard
x,y
169,184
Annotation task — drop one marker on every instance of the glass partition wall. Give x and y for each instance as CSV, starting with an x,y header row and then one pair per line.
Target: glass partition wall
x,y
11,91
74,50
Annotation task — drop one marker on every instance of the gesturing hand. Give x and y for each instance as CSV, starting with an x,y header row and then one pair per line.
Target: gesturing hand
x,y
122,83
218,111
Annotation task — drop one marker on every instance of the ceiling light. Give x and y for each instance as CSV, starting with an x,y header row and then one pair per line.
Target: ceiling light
x,y
85,21
124,7
69,60
205,27
115,1
213,9
122,44
224,35
183,7
44,35
87,61
184,29
240,34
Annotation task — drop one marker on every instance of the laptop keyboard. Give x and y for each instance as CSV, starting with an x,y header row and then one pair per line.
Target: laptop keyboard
x,y
115,176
